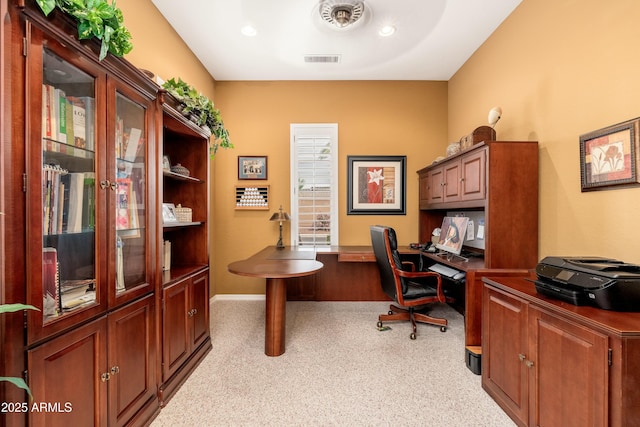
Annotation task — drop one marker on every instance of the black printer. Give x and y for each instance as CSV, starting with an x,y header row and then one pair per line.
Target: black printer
x,y
601,282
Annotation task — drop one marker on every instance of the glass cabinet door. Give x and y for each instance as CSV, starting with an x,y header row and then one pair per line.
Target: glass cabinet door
x,y
67,216
129,201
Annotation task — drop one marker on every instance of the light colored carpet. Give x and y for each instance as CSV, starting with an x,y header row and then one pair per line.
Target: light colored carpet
x,y
338,370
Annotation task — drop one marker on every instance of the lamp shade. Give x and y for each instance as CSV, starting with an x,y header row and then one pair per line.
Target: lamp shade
x,y
280,216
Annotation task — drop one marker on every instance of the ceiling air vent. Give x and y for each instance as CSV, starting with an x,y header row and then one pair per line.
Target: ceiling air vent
x,y
322,59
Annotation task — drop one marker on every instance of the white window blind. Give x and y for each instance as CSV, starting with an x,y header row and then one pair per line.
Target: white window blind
x,y
314,178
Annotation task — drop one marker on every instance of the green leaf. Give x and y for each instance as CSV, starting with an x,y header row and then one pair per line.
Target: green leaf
x,y
46,6
84,30
10,308
18,382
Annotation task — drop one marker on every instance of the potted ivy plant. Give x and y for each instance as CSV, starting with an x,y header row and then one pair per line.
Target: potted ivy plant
x,y
96,18
201,110
10,308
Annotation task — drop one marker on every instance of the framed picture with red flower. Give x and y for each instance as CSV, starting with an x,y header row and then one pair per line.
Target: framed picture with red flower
x,y
376,185
609,157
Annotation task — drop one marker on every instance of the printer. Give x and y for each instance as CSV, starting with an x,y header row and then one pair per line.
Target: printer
x,y
601,282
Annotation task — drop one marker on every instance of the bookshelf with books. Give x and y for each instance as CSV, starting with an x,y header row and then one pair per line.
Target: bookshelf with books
x,y
81,224
184,247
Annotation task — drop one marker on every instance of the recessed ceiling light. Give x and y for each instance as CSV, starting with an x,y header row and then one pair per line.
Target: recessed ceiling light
x,y
248,31
387,30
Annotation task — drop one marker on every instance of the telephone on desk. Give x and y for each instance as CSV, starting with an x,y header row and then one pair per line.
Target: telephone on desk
x,y
425,247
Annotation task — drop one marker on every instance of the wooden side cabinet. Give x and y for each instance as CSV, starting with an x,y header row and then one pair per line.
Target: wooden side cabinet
x,y
549,363
102,373
185,328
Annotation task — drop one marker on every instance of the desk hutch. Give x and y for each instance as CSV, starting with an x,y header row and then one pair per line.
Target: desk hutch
x,y
500,180
82,189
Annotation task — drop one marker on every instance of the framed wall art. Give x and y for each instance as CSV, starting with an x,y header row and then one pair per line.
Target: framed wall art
x,y
376,185
252,167
609,157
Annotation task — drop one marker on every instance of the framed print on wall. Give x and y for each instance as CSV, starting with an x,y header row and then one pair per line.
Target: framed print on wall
x,y
252,167
609,157
376,185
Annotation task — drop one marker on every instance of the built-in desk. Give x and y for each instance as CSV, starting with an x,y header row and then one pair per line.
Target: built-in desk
x,y
350,273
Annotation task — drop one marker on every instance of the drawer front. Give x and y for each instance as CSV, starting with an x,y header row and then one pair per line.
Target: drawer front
x,y
357,257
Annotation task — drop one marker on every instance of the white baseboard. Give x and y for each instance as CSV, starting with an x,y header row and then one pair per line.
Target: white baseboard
x,y
237,297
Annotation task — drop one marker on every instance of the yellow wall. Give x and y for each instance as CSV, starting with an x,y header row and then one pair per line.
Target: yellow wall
x,y
159,49
374,118
559,69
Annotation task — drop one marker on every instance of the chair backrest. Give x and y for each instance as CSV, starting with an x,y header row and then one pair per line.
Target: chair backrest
x,y
383,240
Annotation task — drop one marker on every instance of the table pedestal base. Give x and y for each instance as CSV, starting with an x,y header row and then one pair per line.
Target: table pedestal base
x,y
275,317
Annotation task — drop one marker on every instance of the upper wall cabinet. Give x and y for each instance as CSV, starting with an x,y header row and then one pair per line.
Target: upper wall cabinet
x,y
88,168
497,180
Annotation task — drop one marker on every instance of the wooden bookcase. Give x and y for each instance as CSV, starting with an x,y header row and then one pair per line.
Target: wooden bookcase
x,y
103,354
185,285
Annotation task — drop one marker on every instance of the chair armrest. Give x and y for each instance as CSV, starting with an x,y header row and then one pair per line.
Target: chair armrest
x,y
423,274
410,264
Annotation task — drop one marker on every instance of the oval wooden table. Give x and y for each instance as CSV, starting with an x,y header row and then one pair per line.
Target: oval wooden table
x,y
276,266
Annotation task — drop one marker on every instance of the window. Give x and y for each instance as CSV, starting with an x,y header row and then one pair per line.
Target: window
x,y
314,182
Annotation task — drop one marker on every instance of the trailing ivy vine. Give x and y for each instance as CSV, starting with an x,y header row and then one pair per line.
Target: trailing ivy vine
x,y
96,18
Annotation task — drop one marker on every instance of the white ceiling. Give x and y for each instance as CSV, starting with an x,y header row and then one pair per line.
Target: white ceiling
x,y
433,38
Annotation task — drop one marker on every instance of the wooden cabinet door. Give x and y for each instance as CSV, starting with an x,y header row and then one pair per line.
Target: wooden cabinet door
x,y
504,352
424,190
132,360
175,327
436,190
67,372
569,385
199,312
473,181
451,188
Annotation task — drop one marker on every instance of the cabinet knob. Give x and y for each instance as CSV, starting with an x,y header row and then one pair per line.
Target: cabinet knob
x,y
529,363
105,377
104,184
115,370
522,357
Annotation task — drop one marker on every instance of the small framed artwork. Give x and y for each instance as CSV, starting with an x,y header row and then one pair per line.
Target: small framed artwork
x,y
169,213
376,185
252,167
166,164
609,157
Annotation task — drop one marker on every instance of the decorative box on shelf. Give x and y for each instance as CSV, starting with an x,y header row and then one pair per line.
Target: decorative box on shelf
x,y
252,198
183,214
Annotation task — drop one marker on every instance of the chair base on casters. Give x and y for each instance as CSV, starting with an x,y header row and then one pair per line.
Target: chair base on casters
x,y
399,313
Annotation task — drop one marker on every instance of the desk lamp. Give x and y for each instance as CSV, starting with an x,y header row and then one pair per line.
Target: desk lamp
x,y
280,217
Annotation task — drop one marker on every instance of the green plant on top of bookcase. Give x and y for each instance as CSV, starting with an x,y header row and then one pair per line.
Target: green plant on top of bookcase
x,y
96,18
10,308
202,111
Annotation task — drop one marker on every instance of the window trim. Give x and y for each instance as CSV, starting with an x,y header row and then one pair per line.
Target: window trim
x,y
319,130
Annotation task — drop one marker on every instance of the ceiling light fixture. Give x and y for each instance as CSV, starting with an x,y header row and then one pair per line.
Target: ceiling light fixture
x,y
341,13
387,30
248,31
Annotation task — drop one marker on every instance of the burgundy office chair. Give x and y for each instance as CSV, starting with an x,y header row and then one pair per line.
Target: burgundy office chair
x,y
411,290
